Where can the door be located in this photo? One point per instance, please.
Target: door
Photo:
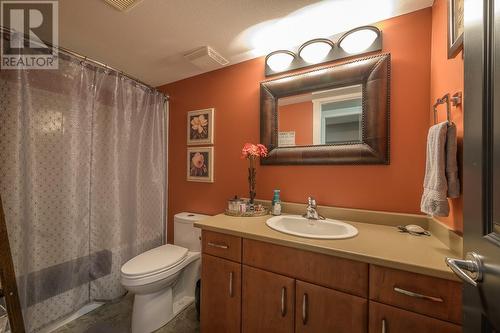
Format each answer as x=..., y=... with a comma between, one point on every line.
x=268, y=302
x=319, y=309
x=385, y=319
x=481, y=173
x=220, y=295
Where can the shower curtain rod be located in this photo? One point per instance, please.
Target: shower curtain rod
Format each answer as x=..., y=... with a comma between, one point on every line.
x=85, y=58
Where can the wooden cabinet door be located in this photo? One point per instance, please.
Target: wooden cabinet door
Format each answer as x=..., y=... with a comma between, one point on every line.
x=268, y=302
x=388, y=319
x=220, y=295
x=319, y=309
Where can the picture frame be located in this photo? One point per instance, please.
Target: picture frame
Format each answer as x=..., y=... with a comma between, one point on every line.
x=455, y=27
x=200, y=164
x=200, y=127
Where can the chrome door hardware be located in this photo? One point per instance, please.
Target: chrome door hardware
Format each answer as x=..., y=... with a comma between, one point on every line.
x=304, y=309
x=231, y=284
x=417, y=295
x=469, y=269
x=283, y=301
x=219, y=246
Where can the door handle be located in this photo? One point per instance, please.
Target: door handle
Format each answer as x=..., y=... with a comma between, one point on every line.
x=230, y=284
x=219, y=246
x=417, y=295
x=304, y=309
x=469, y=269
x=283, y=301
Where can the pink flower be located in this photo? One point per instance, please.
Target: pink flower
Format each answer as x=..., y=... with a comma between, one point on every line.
x=251, y=150
x=198, y=160
x=262, y=150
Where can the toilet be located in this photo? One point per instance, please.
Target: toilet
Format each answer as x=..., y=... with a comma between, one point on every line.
x=163, y=279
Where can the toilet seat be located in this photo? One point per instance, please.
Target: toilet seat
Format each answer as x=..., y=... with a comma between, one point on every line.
x=154, y=261
x=143, y=280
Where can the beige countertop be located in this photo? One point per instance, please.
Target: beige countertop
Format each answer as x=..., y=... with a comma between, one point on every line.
x=375, y=244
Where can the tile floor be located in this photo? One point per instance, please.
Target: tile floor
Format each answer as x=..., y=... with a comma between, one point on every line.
x=115, y=318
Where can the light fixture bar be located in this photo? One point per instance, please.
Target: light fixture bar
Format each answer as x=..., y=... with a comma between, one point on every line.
x=358, y=41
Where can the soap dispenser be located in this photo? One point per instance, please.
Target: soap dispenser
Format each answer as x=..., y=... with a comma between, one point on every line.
x=276, y=203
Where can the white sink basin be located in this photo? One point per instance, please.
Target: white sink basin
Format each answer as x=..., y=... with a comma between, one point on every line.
x=321, y=229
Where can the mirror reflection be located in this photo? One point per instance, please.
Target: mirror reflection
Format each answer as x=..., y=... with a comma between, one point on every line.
x=325, y=117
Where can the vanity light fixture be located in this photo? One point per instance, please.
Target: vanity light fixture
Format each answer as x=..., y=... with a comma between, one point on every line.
x=316, y=50
x=280, y=60
x=357, y=41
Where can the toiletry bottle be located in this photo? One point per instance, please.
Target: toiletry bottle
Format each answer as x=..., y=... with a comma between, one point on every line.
x=276, y=203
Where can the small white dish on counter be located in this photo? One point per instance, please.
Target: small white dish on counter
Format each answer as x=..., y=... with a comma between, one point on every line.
x=319, y=229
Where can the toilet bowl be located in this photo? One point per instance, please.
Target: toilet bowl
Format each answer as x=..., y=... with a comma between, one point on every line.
x=163, y=279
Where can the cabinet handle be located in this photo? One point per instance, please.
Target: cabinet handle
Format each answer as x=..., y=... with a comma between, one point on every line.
x=417, y=295
x=219, y=246
x=383, y=326
x=304, y=309
x=283, y=301
x=231, y=284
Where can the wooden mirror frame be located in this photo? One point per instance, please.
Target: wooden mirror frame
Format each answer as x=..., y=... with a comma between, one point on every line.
x=373, y=73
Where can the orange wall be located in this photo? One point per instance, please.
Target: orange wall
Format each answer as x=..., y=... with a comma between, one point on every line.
x=447, y=76
x=234, y=93
x=297, y=117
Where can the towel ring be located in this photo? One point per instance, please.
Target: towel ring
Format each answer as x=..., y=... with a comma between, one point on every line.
x=456, y=99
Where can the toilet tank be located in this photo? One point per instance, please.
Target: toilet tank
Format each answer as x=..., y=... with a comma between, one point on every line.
x=185, y=234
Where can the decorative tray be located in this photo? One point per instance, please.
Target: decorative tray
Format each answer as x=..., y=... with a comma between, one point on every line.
x=254, y=213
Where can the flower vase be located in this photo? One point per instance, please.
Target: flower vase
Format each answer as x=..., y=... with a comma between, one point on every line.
x=251, y=179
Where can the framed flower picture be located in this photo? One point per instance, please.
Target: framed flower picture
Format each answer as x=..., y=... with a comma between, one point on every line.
x=200, y=127
x=200, y=164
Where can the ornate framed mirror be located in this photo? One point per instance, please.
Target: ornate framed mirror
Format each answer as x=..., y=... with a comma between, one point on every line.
x=333, y=115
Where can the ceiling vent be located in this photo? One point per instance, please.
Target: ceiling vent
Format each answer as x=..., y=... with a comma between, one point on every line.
x=123, y=5
x=206, y=58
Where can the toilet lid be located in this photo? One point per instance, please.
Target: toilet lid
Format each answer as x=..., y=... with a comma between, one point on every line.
x=154, y=260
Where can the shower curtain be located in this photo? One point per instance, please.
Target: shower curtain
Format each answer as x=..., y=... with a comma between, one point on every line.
x=82, y=179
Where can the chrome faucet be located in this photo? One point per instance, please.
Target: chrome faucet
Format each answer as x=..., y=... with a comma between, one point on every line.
x=311, y=213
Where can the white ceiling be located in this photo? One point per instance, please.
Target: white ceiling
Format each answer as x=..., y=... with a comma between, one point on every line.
x=149, y=40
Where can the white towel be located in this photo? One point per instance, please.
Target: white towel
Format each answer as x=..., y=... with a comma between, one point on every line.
x=451, y=162
x=434, y=201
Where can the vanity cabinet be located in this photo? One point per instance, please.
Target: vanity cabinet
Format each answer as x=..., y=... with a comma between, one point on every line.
x=221, y=295
x=254, y=286
x=280, y=304
x=268, y=302
x=320, y=309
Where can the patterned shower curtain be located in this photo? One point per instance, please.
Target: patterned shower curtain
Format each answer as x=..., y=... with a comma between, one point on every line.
x=82, y=179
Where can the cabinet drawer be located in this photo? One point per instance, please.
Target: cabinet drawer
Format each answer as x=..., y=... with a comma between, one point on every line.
x=427, y=295
x=221, y=245
x=388, y=319
x=319, y=309
x=336, y=273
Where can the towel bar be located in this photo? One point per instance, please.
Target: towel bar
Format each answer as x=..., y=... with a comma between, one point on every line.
x=455, y=100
